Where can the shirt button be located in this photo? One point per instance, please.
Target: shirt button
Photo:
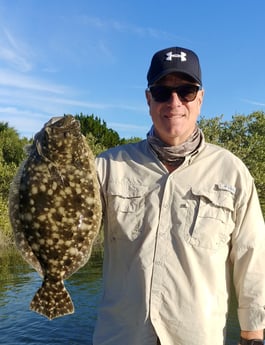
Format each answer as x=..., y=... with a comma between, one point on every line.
x=194, y=241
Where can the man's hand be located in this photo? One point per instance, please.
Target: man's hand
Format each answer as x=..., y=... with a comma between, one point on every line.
x=252, y=334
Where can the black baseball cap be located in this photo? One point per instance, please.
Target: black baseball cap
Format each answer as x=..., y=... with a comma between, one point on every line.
x=174, y=59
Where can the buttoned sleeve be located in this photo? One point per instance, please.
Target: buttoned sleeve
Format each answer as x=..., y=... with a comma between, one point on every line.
x=248, y=255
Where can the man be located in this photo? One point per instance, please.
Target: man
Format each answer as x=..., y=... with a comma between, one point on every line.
x=181, y=218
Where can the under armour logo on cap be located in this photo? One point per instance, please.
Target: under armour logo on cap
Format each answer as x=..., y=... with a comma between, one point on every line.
x=170, y=56
x=174, y=59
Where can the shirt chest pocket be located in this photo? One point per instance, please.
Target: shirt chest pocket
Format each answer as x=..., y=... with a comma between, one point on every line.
x=210, y=217
x=126, y=204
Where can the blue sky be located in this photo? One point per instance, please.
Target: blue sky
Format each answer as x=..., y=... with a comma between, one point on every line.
x=86, y=56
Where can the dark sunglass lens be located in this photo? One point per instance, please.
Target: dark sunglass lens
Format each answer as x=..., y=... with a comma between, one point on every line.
x=160, y=93
x=187, y=92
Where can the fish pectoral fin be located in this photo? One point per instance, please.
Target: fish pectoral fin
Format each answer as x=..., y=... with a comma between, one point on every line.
x=52, y=300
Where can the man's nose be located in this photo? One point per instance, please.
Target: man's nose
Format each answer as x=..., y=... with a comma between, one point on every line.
x=175, y=99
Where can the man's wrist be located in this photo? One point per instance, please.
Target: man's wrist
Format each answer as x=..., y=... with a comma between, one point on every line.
x=244, y=341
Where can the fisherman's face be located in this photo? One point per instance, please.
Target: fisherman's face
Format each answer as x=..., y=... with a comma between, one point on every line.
x=175, y=119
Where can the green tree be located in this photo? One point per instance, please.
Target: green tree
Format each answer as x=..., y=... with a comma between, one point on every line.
x=5, y=233
x=212, y=129
x=95, y=146
x=11, y=146
x=103, y=135
x=132, y=140
x=11, y=155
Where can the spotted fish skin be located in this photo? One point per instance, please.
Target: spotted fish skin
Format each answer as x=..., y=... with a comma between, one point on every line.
x=55, y=210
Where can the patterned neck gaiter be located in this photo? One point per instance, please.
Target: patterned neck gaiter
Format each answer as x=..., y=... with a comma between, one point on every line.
x=174, y=155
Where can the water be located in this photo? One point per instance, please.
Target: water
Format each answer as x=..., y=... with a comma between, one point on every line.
x=20, y=326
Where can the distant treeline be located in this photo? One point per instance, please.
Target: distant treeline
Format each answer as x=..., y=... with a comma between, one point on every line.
x=242, y=135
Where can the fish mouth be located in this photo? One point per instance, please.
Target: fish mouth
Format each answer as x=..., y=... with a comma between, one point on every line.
x=54, y=119
x=62, y=121
x=61, y=125
x=55, y=132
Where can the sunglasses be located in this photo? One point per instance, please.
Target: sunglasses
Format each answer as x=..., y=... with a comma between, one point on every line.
x=185, y=92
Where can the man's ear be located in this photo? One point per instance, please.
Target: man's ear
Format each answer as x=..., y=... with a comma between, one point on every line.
x=200, y=98
x=148, y=97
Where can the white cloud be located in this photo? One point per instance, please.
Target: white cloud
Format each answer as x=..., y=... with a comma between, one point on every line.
x=18, y=80
x=14, y=52
x=262, y=104
x=24, y=121
x=122, y=27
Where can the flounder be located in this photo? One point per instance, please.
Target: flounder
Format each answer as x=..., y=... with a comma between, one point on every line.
x=55, y=210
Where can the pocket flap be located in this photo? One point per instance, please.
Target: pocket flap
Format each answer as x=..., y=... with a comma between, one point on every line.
x=220, y=195
x=126, y=189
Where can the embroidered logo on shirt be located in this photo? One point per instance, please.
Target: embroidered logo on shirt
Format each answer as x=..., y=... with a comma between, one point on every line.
x=170, y=56
x=226, y=187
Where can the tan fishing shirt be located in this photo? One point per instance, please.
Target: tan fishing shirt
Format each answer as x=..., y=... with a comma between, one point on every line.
x=172, y=244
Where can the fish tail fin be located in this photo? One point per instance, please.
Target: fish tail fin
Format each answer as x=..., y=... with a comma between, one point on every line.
x=52, y=300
